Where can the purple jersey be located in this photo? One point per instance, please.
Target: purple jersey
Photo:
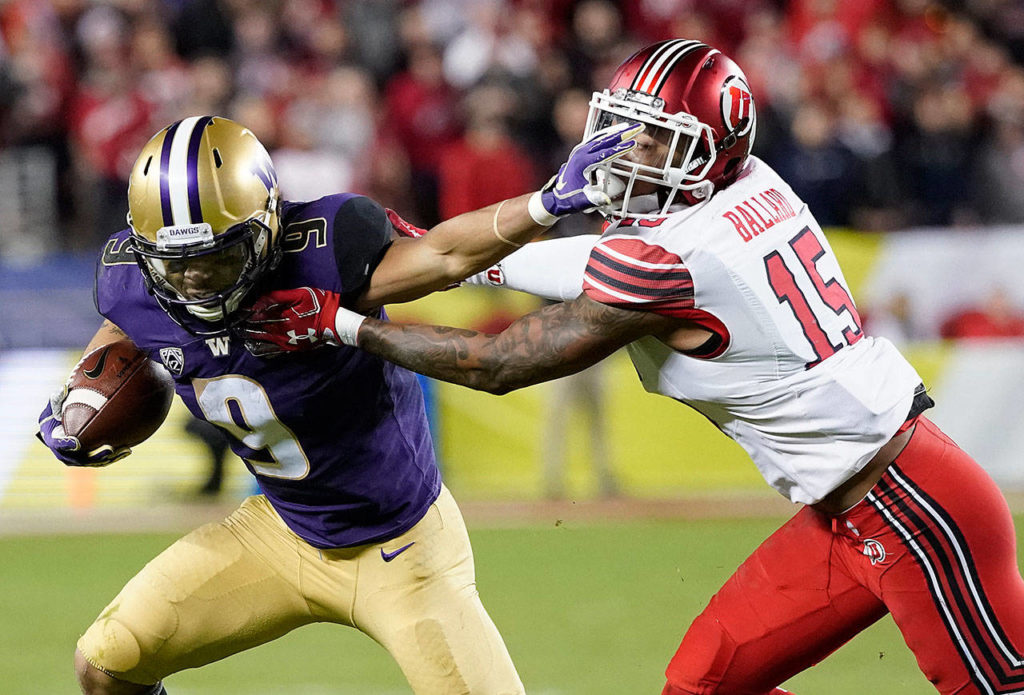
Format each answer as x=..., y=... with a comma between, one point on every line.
x=337, y=438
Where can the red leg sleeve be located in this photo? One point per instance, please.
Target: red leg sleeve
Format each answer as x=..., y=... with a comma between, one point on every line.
x=787, y=607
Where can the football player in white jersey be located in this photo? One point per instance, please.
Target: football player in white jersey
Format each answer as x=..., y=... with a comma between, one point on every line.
x=716, y=277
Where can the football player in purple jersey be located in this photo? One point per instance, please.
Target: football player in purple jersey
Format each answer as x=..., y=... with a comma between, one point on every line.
x=353, y=524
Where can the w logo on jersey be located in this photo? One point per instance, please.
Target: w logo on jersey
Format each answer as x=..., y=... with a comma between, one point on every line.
x=737, y=105
x=219, y=346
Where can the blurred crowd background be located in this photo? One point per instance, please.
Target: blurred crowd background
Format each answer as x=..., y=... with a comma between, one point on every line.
x=883, y=114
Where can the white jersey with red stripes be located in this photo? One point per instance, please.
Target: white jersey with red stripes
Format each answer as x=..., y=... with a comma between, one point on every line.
x=789, y=373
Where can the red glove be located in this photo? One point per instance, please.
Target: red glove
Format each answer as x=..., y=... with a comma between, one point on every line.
x=291, y=320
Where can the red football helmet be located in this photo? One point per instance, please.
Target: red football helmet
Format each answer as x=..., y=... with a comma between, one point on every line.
x=700, y=122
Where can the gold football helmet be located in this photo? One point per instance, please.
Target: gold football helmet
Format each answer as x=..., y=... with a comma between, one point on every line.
x=203, y=206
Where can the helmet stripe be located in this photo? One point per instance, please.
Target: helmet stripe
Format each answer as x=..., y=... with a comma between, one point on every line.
x=177, y=170
x=192, y=169
x=668, y=68
x=651, y=59
x=165, y=161
x=659, y=66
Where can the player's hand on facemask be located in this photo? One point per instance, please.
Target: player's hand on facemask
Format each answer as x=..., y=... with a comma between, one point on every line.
x=68, y=449
x=575, y=188
x=298, y=319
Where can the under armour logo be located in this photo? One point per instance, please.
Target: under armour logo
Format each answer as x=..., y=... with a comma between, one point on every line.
x=294, y=338
x=874, y=550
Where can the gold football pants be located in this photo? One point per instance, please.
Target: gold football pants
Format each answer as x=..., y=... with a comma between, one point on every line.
x=248, y=579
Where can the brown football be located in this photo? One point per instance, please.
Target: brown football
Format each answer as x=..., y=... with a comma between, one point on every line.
x=116, y=396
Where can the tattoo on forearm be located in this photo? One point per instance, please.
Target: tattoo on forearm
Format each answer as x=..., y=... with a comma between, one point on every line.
x=547, y=344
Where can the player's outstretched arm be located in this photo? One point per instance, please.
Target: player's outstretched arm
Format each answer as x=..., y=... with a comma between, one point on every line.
x=473, y=241
x=51, y=429
x=553, y=342
x=551, y=269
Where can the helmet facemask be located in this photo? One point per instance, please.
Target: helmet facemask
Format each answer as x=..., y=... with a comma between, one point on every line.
x=204, y=211
x=236, y=258
x=684, y=156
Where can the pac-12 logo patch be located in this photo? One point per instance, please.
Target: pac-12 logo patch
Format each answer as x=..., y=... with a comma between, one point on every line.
x=874, y=550
x=174, y=359
x=737, y=105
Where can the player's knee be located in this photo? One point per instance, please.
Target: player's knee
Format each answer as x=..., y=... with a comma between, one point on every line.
x=111, y=647
x=109, y=644
x=84, y=673
x=91, y=679
x=711, y=662
x=94, y=681
x=706, y=661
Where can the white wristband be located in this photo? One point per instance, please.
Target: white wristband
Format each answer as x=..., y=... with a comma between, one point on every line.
x=539, y=213
x=346, y=325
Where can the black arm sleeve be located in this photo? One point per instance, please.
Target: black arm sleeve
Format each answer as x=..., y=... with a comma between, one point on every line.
x=362, y=234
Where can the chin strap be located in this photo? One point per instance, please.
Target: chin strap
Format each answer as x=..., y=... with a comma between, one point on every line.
x=730, y=139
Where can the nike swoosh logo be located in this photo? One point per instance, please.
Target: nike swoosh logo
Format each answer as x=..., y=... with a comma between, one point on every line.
x=95, y=372
x=388, y=557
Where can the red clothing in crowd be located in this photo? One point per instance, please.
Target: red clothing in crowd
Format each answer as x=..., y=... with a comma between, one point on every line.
x=423, y=116
x=977, y=323
x=110, y=129
x=474, y=174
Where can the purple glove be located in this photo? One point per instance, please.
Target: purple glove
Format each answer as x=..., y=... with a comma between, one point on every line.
x=574, y=188
x=67, y=449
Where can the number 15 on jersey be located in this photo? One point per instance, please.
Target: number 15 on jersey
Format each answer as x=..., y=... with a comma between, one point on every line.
x=829, y=311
